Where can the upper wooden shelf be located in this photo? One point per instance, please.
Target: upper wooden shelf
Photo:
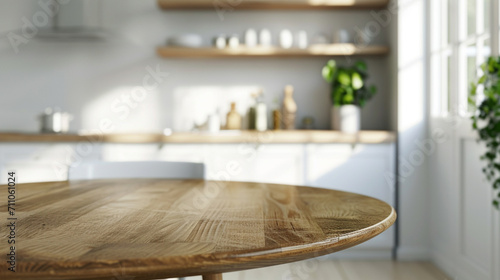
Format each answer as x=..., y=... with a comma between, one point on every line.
x=224, y=137
x=315, y=50
x=272, y=4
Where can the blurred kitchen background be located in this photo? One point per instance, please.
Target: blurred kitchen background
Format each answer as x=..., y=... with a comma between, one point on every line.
x=115, y=80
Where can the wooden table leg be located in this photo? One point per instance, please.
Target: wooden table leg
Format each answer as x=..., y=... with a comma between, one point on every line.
x=213, y=276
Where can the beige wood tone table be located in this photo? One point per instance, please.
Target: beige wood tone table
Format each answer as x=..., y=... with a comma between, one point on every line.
x=157, y=228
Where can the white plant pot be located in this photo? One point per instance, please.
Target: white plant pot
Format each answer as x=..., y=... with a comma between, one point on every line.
x=346, y=118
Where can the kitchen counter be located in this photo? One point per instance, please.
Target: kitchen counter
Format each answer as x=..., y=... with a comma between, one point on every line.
x=360, y=163
x=270, y=136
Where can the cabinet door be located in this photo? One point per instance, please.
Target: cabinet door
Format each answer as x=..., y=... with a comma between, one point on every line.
x=183, y=152
x=44, y=162
x=360, y=169
x=230, y=162
x=130, y=152
x=268, y=163
x=281, y=164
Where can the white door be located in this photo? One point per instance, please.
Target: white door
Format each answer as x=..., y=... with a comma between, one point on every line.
x=465, y=226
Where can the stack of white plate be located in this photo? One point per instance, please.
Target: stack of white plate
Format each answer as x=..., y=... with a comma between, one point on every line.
x=186, y=40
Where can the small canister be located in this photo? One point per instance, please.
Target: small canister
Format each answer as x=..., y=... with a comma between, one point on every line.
x=276, y=119
x=54, y=121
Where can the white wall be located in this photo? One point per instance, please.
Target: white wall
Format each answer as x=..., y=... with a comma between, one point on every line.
x=412, y=127
x=85, y=77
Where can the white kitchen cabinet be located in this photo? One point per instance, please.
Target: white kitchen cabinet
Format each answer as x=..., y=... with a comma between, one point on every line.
x=269, y=163
x=37, y=162
x=182, y=152
x=282, y=164
x=242, y=162
x=360, y=168
x=233, y=162
x=130, y=152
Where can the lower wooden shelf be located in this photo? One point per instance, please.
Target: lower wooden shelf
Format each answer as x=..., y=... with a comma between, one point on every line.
x=312, y=51
x=272, y=4
x=228, y=137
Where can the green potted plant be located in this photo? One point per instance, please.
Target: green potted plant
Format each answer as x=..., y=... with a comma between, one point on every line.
x=486, y=120
x=349, y=94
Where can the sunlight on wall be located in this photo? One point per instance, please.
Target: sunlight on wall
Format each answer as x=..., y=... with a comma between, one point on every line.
x=125, y=109
x=411, y=75
x=411, y=102
x=413, y=189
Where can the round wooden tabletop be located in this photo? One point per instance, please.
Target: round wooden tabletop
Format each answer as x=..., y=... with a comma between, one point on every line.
x=158, y=228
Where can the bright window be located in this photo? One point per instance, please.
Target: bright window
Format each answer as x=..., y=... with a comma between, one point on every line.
x=461, y=32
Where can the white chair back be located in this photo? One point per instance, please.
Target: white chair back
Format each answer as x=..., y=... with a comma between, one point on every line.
x=139, y=169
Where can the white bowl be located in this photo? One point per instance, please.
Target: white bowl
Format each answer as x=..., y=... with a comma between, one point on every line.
x=186, y=40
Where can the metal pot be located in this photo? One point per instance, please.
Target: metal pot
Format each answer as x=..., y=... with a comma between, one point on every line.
x=54, y=121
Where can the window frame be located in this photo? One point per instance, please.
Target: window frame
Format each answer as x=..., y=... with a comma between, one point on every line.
x=449, y=38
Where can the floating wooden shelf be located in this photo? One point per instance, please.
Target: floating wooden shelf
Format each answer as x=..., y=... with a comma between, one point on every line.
x=227, y=137
x=315, y=50
x=231, y=5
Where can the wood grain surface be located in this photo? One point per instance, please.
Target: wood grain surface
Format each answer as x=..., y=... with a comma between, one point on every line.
x=273, y=4
x=157, y=228
x=212, y=277
x=242, y=51
x=243, y=136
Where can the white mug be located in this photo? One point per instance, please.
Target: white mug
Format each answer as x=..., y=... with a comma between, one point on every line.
x=251, y=38
x=342, y=37
x=233, y=42
x=286, y=39
x=265, y=38
x=220, y=41
x=302, y=39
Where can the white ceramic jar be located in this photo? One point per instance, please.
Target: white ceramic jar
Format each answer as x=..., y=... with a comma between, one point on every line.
x=233, y=42
x=251, y=38
x=346, y=118
x=286, y=39
x=265, y=39
x=302, y=42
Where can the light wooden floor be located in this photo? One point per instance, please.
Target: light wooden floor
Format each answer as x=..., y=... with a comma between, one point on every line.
x=341, y=270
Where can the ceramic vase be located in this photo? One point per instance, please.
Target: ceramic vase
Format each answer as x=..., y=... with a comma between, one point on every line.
x=346, y=118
